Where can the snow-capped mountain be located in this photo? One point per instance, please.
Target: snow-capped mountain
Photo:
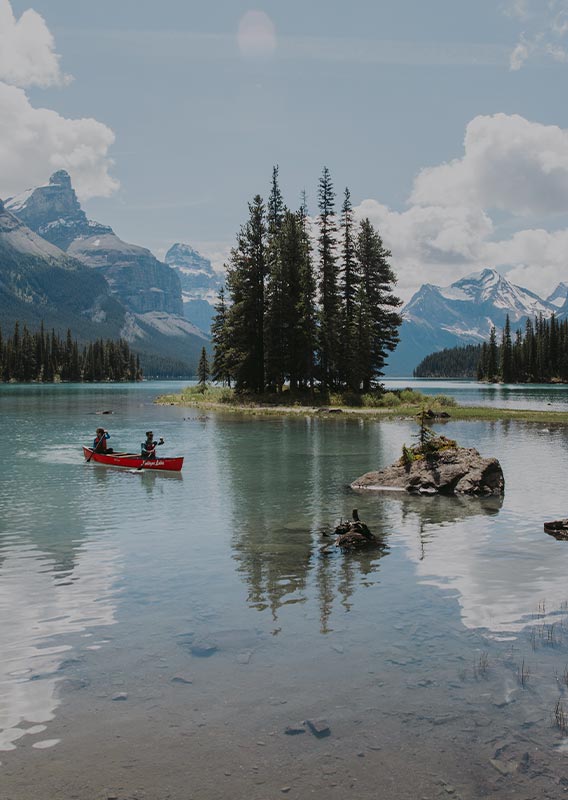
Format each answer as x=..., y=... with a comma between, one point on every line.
x=464, y=312
x=559, y=296
x=147, y=289
x=200, y=283
x=40, y=283
x=141, y=282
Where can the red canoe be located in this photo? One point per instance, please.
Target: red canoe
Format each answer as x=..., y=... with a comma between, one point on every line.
x=133, y=461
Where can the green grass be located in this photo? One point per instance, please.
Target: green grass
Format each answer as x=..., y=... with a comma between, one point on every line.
x=403, y=403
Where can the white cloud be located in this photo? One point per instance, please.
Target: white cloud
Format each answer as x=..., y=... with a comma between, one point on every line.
x=510, y=164
x=545, y=30
x=37, y=141
x=27, y=54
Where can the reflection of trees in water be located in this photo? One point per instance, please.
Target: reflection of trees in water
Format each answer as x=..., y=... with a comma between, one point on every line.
x=341, y=574
x=287, y=479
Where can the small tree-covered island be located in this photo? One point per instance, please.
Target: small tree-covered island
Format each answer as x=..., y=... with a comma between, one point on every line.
x=309, y=316
x=309, y=307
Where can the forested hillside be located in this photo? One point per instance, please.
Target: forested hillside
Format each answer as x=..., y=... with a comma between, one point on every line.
x=44, y=357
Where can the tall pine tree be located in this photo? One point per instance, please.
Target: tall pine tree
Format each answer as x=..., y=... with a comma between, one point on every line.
x=246, y=276
x=329, y=312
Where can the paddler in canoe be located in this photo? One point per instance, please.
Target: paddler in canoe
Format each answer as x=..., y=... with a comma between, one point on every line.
x=100, y=441
x=148, y=448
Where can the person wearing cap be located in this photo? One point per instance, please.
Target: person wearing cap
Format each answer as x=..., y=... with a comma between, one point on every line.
x=149, y=446
x=100, y=441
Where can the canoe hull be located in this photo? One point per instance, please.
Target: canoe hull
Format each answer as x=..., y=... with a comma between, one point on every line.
x=133, y=461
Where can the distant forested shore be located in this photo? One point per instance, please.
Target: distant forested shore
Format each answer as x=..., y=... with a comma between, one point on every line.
x=539, y=354
x=45, y=357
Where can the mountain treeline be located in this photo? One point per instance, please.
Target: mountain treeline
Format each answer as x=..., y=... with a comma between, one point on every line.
x=537, y=354
x=311, y=313
x=46, y=358
x=451, y=362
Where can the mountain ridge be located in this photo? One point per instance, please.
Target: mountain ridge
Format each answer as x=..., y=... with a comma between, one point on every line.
x=438, y=317
x=147, y=290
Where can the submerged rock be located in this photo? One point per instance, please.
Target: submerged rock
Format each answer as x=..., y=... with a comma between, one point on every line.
x=453, y=470
x=319, y=727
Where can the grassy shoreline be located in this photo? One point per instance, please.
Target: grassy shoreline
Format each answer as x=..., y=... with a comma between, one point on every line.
x=411, y=403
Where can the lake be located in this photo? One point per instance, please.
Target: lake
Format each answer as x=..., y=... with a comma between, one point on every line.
x=159, y=633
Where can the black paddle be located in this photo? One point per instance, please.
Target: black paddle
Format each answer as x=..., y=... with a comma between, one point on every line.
x=96, y=447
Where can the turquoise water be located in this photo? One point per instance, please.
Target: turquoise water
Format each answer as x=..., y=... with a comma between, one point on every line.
x=202, y=604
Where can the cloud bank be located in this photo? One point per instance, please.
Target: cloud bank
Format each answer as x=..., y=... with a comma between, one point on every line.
x=510, y=165
x=35, y=141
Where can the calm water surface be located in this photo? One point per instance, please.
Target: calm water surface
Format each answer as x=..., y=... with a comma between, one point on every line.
x=159, y=633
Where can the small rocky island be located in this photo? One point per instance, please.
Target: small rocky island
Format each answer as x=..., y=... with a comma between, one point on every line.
x=437, y=465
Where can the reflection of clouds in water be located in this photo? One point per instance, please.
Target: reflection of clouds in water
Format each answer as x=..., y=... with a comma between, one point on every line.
x=34, y=610
x=499, y=581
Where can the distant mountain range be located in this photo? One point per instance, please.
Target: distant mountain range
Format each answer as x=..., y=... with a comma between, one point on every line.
x=58, y=266
x=200, y=284
x=45, y=230
x=437, y=317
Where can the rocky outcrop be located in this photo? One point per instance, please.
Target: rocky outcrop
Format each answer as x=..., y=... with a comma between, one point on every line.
x=455, y=470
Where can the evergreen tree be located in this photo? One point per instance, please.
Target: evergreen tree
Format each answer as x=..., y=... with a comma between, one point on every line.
x=349, y=279
x=492, y=356
x=246, y=275
x=275, y=294
x=307, y=314
x=329, y=313
x=506, y=355
x=203, y=369
x=377, y=281
x=221, y=342
x=275, y=208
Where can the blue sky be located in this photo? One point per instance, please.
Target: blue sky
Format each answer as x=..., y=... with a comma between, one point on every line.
x=377, y=91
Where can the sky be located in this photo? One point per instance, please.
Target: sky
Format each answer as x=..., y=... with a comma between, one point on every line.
x=446, y=119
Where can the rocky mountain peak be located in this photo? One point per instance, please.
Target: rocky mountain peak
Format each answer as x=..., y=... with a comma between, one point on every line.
x=54, y=212
x=464, y=312
x=559, y=295
x=61, y=178
x=183, y=256
x=199, y=283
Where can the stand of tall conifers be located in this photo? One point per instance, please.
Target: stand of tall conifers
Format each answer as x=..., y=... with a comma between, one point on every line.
x=312, y=312
x=47, y=358
x=539, y=355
